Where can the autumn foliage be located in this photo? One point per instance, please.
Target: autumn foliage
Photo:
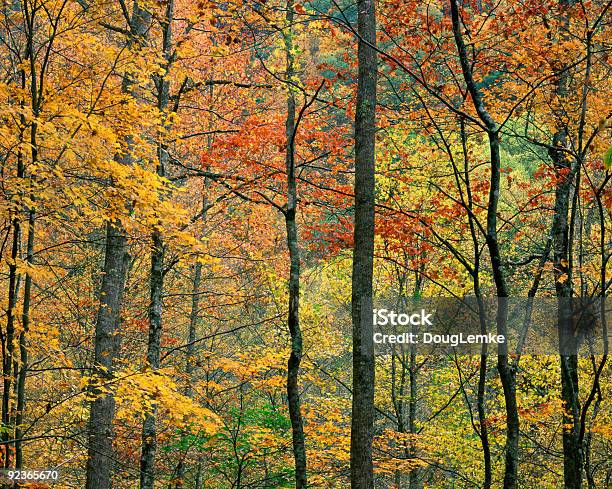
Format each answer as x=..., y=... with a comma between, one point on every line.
x=176, y=138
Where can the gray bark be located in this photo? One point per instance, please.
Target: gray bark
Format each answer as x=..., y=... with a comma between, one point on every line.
x=190, y=352
x=149, y=430
x=193, y=325
x=107, y=339
x=107, y=343
x=362, y=419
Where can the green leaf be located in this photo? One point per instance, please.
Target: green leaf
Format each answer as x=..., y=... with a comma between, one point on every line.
x=608, y=159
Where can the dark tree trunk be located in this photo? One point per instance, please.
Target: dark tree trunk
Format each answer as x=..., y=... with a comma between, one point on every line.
x=480, y=397
x=506, y=371
x=107, y=341
x=408, y=376
x=482, y=371
x=362, y=419
x=572, y=449
x=414, y=479
x=23, y=345
x=561, y=236
x=193, y=325
x=149, y=431
x=156, y=281
x=21, y=367
x=293, y=318
x=8, y=342
x=190, y=354
x=27, y=298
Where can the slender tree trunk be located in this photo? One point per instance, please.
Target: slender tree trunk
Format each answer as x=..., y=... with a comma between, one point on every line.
x=107, y=339
x=566, y=174
x=8, y=339
x=190, y=358
x=572, y=449
x=596, y=397
x=482, y=371
x=25, y=319
x=149, y=430
x=506, y=371
x=8, y=345
x=21, y=366
x=408, y=365
x=414, y=479
x=156, y=282
x=480, y=396
x=293, y=318
x=193, y=328
x=23, y=347
x=13, y=291
x=362, y=419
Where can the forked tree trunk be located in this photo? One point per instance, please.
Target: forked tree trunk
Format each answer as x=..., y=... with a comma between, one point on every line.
x=107, y=340
x=566, y=174
x=481, y=405
x=362, y=419
x=506, y=371
x=572, y=449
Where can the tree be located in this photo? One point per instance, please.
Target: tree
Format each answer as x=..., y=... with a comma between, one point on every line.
x=293, y=318
x=506, y=371
x=362, y=413
x=218, y=151
x=107, y=341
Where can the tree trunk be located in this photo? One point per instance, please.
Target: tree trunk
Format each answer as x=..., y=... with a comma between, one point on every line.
x=572, y=449
x=107, y=339
x=156, y=282
x=362, y=419
x=107, y=343
x=414, y=479
x=482, y=371
x=23, y=346
x=190, y=359
x=8, y=343
x=193, y=325
x=27, y=292
x=506, y=371
x=480, y=397
x=149, y=431
x=293, y=318
x=565, y=173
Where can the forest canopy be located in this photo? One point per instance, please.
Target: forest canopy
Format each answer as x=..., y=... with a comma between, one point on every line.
x=202, y=204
